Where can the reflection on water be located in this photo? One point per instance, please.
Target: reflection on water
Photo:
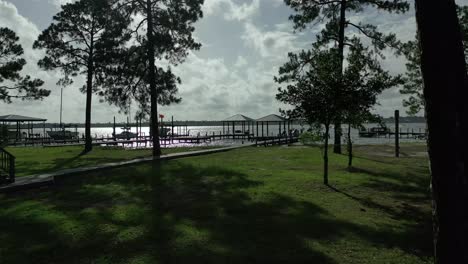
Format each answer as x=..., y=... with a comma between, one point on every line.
x=176, y=144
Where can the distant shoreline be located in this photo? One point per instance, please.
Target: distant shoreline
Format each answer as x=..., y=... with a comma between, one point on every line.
x=388, y=121
x=199, y=123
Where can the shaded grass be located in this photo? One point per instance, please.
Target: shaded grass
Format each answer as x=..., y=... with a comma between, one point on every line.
x=37, y=160
x=254, y=205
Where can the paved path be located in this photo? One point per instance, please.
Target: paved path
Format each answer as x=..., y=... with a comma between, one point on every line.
x=34, y=181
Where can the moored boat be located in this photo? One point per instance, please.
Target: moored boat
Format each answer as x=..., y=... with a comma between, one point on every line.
x=62, y=135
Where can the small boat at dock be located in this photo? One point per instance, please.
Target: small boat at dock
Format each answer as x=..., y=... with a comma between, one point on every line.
x=374, y=131
x=126, y=134
x=62, y=134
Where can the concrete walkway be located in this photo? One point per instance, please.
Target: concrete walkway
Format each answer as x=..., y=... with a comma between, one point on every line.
x=35, y=181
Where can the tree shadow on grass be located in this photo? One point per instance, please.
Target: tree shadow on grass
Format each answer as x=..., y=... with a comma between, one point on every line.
x=409, y=179
x=33, y=167
x=403, y=196
x=130, y=214
x=236, y=227
x=171, y=212
x=61, y=163
x=384, y=154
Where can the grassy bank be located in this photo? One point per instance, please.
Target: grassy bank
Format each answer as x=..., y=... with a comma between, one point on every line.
x=36, y=160
x=253, y=205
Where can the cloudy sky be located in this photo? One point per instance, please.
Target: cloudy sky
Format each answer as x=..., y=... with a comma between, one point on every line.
x=244, y=43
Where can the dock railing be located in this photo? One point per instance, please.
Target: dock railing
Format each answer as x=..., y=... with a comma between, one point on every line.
x=7, y=166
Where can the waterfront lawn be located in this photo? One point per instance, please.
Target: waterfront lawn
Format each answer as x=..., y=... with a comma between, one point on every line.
x=252, y=205
x=37, y=160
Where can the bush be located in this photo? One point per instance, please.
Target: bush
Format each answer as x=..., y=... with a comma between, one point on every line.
x=311, y=137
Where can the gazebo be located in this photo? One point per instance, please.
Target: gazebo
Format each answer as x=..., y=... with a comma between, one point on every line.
x=6, y=120
x=245, y=122
x=272, y=119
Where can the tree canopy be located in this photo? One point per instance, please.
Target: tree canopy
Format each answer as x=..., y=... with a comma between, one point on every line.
x=130, y=82
x=12, y=84
x=364, y=80
x=310, y=90
x=311, y=79
x=84, y=35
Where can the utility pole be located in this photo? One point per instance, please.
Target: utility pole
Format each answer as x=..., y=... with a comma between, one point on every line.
x=61, y=103
x=397, y=133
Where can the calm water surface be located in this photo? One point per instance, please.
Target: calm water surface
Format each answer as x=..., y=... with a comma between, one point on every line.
x=273, y=130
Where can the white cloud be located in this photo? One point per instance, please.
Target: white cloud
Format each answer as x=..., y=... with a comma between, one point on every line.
x=270, y=43
x=59, y=3
x=232, y=10
x=240, y=62
x=243, y=11
x=212, y=89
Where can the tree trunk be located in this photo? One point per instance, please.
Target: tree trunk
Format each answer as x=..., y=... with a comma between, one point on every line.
x=325, y=155
x=341, y=39
x=337, y=141
x=89, y=94
x=152, y=81
x=445, y=84
x=350, y=148
x=150, y=127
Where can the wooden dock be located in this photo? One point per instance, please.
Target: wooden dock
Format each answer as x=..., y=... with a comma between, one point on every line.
x=144, y=140
x=389, y=134
x=191, y=139
x=276, y=141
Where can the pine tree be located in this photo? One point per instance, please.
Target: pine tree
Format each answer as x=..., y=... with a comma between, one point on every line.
x=167, y=26
x=12, y=84
x=83, y=39
x=334, y=13
x=445, y=78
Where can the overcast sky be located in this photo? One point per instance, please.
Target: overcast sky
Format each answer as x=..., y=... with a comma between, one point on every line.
x=244, y=43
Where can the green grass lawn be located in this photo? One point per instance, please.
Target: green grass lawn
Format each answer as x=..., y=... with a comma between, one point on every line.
x=36, y=160
x=252, y=205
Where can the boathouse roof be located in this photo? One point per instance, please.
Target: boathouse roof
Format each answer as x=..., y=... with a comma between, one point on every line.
x=238, y=118
x=19, y=118
x=271, y=118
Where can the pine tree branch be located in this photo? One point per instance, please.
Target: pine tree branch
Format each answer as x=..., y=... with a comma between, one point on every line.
x=139, y=25
x=373, y=37
x=8, y=88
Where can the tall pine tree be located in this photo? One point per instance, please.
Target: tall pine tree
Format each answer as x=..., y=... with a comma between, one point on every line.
x=445, y=78
x=337, y=25
x=167, y=28
x=83, y=39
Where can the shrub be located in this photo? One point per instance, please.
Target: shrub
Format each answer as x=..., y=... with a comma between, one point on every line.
x=311, y=137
